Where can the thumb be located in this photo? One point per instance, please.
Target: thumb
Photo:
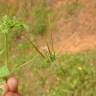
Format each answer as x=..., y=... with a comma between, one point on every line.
x=12, y=83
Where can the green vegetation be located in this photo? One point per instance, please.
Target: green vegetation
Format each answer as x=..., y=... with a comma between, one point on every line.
x=69, y=74
x=6, y=26
x=40, y=14
x=43, y=73
x=71, y=9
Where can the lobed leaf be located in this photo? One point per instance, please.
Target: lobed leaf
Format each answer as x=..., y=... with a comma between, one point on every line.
x=9, y=23
x=4, y=71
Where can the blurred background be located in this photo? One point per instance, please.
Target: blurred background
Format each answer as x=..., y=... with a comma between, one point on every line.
x=64, y=32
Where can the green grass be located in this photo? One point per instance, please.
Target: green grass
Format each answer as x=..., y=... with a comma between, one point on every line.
x=40, y=22
x=65, y=75
x=62, y=75
x=71, y=9
x=68, y=75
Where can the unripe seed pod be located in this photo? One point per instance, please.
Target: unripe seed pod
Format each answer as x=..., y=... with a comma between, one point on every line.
x=12, y=84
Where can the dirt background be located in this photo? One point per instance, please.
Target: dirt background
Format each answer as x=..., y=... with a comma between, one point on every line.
x=80, y=32
x=77, y=32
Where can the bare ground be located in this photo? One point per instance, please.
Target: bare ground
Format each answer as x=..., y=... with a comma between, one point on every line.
x=78, y=32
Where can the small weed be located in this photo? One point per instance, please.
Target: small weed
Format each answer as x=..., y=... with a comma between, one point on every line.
x=6, y=26
x=67, y=75
x=76, y=76
x=71, y=9
x=40, y=15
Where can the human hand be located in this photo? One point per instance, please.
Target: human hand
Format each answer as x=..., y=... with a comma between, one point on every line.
x=10, y=88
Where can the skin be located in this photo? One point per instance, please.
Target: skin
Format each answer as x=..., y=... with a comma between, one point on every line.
x=11, y=87
x=12, y=84
x=11, y=94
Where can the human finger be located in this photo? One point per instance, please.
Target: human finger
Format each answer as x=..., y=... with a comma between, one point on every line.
x=12, y=83
x=11, y=94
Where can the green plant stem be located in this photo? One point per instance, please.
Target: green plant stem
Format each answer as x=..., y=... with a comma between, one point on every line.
x=53, y=44
x=52, y=41
x=20, y=66
x=49, y=51
x=6, y=48
x=35, y=47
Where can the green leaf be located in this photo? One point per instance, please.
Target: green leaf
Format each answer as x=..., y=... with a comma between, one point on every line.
x=8, y=23
x=20, y=25
x=2, y=81
x=4, y=71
